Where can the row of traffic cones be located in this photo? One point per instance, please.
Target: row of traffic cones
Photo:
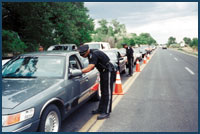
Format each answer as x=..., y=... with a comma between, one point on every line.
x=118, y=85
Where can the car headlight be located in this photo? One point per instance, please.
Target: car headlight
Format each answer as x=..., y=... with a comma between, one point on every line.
x=8, y=120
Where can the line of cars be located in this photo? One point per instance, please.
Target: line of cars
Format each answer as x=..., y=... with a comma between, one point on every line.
x=40, y=89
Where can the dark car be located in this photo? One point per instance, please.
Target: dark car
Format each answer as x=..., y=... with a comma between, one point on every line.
x=116, y=59
x=164, y=47
x=62, y=47
x=40, y=89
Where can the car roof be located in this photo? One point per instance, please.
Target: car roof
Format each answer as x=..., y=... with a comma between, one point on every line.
x=51, y=53
x=94, y=42
x=65, y=45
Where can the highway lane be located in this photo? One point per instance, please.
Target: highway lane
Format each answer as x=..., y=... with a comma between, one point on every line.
x=185, y=59
x=164, y=98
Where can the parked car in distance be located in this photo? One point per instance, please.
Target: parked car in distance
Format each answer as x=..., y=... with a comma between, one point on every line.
x=164, y=47
x=116, y=59
x=153, y=47
x=40, y=89
x=138, y=54
x=143, y=51
x=68, y=47
x=98, y=45
x=148, y=49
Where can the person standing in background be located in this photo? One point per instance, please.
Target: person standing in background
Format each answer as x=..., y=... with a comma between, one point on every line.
x=130, y=58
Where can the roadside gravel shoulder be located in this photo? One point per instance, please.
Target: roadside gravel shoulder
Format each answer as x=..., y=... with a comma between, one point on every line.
x=185, y=52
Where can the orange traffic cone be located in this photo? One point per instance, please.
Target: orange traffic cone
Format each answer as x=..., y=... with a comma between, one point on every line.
x=118, y=85
x=137, y=66
x=145, y=60
x=148, y=57
x=96, y=85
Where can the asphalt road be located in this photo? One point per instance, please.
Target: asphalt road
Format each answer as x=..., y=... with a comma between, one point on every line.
x=163, y=98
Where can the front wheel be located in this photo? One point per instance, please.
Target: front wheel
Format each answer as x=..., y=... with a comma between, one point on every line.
x=50, y=120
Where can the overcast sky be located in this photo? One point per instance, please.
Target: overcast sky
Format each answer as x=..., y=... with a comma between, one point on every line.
x=160, y=19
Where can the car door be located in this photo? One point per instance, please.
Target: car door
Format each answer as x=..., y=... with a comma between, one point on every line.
x=87, y=80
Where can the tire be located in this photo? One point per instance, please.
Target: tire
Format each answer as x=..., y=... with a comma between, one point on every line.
x=50, y=120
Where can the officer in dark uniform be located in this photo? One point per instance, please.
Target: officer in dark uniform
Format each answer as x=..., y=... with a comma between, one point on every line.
x=130, y=58
x=101, y=61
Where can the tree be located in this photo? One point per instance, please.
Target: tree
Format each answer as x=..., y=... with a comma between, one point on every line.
x=48, y=23
x=187, y=40
x=111, y=32
x=12, y=43
x=171, y=40
x=194, y=42
x=144, y=38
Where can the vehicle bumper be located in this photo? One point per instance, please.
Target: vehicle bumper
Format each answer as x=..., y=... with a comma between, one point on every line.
x=22, y=127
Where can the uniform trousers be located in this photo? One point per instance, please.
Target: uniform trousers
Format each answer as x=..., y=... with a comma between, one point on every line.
x=106, y=83
x=130, y=65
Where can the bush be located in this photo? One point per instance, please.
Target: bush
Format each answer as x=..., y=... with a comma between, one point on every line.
x=11, y=43
x=175, y=46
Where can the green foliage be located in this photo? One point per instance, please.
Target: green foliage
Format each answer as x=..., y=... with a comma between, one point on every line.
x=171, y=40
x=174, y=45
x=191, y=42
x=144, y=38
x=111, y=32
x=11, y=42
x=194, y=42
x=187, y=40
x=48, y=23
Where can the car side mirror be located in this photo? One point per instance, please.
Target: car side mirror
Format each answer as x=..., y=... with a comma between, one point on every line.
x=75, y=73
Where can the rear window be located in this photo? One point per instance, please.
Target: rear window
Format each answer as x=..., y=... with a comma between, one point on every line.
x=94, y=46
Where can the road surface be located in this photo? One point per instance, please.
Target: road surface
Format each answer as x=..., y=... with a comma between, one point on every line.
x=162, y=98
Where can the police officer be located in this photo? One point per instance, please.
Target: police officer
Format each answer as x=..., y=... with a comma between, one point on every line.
x=101, y=61
x=130, y=58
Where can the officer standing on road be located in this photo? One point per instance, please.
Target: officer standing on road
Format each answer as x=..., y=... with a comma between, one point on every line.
x=101, y=61
x=130, y=58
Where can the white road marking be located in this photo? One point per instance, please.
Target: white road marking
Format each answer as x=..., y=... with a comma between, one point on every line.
x=190, y=71
x=176, y=59
x=170, y=54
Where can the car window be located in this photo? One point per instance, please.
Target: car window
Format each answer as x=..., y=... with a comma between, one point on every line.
x=65, y=47
x=94, y=46
x=74, y=63
x=60, y=48
x=111, y=55
x=35, y=66
x=85, y=61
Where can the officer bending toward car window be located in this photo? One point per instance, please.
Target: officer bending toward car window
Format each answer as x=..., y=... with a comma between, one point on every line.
x=130, y=58
x=101, y=61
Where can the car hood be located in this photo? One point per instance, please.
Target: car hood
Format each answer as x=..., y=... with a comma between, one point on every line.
x=16, y=91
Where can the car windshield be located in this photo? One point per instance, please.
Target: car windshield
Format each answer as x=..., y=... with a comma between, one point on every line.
x=34, y=66
x=111, y=55
x=94, y=46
